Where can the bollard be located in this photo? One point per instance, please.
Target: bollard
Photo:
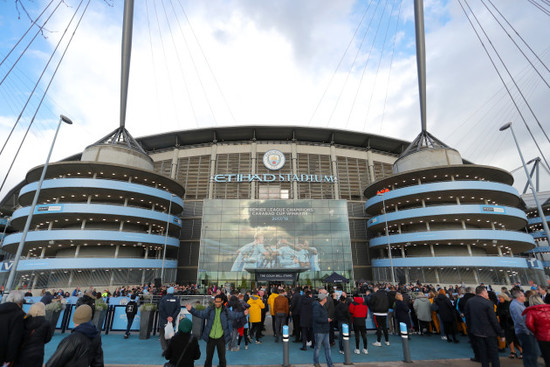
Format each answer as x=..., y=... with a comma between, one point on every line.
x=286, y=362
x=405, y=341
x=347, y=350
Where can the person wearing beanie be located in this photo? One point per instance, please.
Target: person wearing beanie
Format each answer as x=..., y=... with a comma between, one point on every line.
x=38, y=332
x=169, y=309
x=183, y=343
x=83, y=346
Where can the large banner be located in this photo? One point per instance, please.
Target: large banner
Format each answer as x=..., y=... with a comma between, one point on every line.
x=269, y=235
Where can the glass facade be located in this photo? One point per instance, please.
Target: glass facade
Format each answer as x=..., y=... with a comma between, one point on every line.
x=240, y=238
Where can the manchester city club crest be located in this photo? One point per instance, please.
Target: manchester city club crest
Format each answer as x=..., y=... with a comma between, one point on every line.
x=274, y=160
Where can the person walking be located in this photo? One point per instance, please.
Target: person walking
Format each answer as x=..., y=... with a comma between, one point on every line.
x=255, y=316
x=169, y=309
x=83, y=346
x=537, y=319
x=321, y=325
x=525, y=336
x=131, y=311
x=507, y=324
x=379, y=306
x=183, y=349
x=38, y=332
x=281, y=309
x=359, y=312
x=294, y=310
x=447, y=313
x=483, y=327
x=306, y=321
x=217, y=332
x=12, y=327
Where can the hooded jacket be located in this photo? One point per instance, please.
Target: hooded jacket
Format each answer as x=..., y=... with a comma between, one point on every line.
x=537, y=319
x=306, y=312
x=80, y=349
x=12, y=330
x=446, y=310
x=255, y=310
x=422, y=307
x=358, y=311
x=38, y=332
x=379, y=303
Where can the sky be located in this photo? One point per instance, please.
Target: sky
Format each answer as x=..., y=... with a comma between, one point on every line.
x=320, y=63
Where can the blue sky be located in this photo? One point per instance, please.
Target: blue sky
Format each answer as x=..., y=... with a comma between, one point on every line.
x=228, y=62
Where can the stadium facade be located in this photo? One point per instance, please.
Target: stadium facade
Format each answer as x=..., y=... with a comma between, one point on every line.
x=268, y=204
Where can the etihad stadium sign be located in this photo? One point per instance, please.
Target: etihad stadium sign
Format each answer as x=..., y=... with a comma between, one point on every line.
x=273, y=160
x=270, y=177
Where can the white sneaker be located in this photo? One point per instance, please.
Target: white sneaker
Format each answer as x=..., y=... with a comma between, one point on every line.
x=387, y=343
x=365, y=351
x=357, y=351
x=308, y=344
x=341, y=351
x=443, y=338
x=377, y=344
x=246, y=347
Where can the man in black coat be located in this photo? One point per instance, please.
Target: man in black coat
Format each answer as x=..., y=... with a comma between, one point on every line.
x=83, y=346
x=379, y=305
x=484, y=327
x=131, y=311
x=169, y=309
x=295, y=302
x=12, y=327
x=306, y=321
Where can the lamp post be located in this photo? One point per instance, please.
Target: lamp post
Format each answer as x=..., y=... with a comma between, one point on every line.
x=541, y=213
x=13, y=270
x=166, y=238
x=387, y=233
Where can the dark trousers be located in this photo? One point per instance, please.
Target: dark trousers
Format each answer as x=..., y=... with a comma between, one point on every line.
x=529, y=345
x=307, y=336
x=424, y=325
x=545, y=351
x=488, y=350
x=360, y=330
x=245, y=336
x=256, y=330
x=381, y=327
x=474, y=346
x=220, y=345
x=450, y=330
x=296, y=327
x=280, y=320
x=129, y=326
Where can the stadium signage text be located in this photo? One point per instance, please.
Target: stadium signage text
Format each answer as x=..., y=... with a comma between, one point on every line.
x=270, y=177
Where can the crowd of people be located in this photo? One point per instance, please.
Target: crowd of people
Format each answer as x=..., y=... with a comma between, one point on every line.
x=492, y=321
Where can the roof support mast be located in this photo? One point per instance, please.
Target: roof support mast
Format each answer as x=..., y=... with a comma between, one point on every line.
x=126, y=55
x=420, y=58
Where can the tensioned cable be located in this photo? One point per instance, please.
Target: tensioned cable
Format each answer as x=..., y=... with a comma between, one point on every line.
x=511, y=76
x=31, y=41
x=152, y=53
x=50, y=82
x=515, y=43
x=339, y=64
x=365, y=68
x=352, y=64
x=539, y=7
x=391, y=64
x=185, y=84
x=500, y=76
x=27, y=31
x=166, y=62
x=206, y=61
x=378, y=67
x=34, y=89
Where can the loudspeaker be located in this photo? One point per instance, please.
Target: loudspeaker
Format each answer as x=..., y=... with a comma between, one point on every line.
x=158, y=283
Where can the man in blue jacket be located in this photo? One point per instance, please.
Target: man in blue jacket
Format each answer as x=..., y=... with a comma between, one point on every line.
x=321, y=330
x=217, y=331
x=169, y=309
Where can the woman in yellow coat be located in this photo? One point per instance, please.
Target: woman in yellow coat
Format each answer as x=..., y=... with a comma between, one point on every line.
x=255, y=315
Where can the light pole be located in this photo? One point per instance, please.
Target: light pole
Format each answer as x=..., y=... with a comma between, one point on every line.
x=387, y=233
x=13, y=270
x=166, y=238
x=541, y=213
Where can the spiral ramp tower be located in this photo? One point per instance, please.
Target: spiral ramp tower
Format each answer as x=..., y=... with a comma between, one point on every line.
x=448, y=222
x=101, y=220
